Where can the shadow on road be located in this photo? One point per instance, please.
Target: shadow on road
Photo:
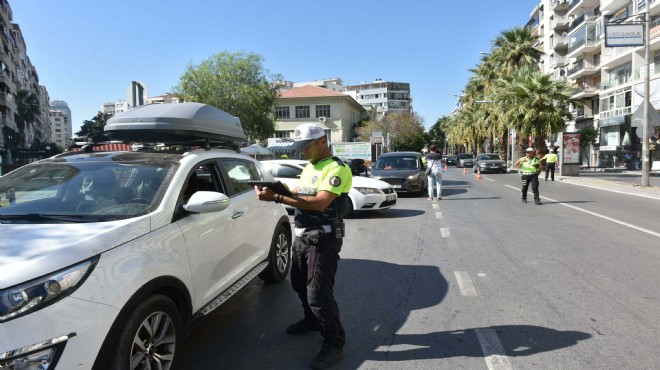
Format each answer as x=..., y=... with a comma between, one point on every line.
x=387, y=213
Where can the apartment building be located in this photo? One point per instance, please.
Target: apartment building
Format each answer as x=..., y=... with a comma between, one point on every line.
x=608, y=81
x=17, y=73
x=60, y=123
x=384, y=97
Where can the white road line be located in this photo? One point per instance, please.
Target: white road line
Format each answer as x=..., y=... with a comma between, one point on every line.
x=493, y=351
x=465, y=283
x=623, y=223
x=438, y=215
x=444, y=232
x=435, y=205
x=489, y=179
x=611, y=190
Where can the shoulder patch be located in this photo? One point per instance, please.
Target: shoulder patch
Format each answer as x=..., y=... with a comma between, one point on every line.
x=335, y=181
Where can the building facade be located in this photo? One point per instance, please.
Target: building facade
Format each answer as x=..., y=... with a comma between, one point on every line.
x=608, y=81
x=60, y=123
x=383, y=97
x=335, y=112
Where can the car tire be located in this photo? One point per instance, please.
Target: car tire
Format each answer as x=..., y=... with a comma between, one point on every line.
x=279, y=257
x=154, y=327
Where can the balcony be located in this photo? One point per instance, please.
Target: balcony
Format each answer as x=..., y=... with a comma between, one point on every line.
x=616, y=57
x=560, y=43
x=573, y=6
x=559, y=23
x=582, y=68
x=612, y=5
x=557, y=62
x=615, y=82
x=586, y=91
x=558, y=5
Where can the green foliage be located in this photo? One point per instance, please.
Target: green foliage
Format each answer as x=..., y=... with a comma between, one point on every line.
x=51, y=148
x=236, y=83
x=94, y=128
x=27, y=108
x=405, y=129
x=588, y=136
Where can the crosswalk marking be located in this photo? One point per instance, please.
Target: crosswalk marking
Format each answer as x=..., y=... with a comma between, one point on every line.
x=491, y=346
x=444, y=232
x=438, y=215
x=465, y=283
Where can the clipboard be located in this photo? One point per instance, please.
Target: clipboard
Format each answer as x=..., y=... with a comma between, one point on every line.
x=276, y=186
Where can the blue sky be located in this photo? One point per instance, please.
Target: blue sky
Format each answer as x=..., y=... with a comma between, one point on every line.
x=87, y=52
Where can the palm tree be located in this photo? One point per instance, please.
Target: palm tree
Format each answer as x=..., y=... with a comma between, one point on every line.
x=27, y=109
x=536, y=104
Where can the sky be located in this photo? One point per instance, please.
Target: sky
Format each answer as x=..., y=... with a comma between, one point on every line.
x=88, y=52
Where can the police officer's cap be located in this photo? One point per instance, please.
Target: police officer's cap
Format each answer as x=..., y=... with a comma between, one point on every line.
x=305, y=134
x=529, y=150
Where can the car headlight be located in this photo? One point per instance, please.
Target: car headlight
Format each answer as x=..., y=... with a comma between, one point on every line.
x=367, y=191
x=412, y=177
x=38, y=293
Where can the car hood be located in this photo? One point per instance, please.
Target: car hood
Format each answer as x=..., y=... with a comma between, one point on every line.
x=32, y=250
x=394, y=173
x=366, y=182
x=493, y=161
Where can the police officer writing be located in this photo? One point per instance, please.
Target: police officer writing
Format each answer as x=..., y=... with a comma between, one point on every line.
x=530, y=174
x=550, y=162
x=319, y=201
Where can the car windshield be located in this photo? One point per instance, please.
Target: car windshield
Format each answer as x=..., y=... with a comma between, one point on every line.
x=396, y=163
x=465, y=156
x=82, y=192
x=489, y=157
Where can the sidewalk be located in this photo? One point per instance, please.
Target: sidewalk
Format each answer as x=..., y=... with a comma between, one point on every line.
x=628, y=182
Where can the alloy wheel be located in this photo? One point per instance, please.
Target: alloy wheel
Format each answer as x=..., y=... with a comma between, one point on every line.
x=154, y=343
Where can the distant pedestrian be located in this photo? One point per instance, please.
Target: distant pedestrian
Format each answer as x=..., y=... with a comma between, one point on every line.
x=434, y=172
x=550, y=163
x=529, y=165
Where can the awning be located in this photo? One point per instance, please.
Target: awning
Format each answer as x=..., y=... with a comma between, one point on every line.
x=281, y=147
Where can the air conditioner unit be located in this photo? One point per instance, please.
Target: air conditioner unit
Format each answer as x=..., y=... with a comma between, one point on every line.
x=322, y=119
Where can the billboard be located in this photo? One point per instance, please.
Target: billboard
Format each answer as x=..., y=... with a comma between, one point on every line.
x=621, y=35
x=571, y=151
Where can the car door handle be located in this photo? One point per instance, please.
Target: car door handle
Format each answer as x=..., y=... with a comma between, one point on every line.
x=237, y=214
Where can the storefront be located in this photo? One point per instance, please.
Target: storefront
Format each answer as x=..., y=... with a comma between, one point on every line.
x=619, y=144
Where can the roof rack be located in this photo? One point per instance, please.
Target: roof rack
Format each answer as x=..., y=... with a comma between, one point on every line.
x=185, y=146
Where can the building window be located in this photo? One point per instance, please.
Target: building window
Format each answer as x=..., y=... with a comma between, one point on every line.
x=322, y=111
x=282, y=112
x=302, y=111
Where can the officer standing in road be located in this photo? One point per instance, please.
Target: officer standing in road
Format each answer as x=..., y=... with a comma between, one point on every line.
x=530, y=174
x=550, y=162
x=319, y=201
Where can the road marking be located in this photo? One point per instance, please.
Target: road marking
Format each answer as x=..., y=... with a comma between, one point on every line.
x=465, y=283
x=623, y=223
x=435, y=205
x=611, y=190
x=493, y=351
x=438, y=215
x=444, y=232
x=488, y=178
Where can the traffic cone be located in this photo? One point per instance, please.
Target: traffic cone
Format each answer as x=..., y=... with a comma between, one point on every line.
x=464, y=170
x=478, y=175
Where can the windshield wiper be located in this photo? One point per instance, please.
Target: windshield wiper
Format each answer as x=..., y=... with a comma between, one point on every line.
x=36, y=217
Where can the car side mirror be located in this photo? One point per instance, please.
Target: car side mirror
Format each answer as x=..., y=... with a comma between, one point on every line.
x=206, y=202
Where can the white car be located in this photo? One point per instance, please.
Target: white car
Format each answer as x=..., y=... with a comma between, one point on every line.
x=107, y=258
x=366, y=194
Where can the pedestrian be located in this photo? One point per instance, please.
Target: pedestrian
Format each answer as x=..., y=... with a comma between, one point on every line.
x=529, y=166
x=434, y=172
x=550, y=163
x=319, y=201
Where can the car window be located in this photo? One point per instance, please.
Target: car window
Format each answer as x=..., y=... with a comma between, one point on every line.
x=397, y=163
x=240, y=172
x=287, y=172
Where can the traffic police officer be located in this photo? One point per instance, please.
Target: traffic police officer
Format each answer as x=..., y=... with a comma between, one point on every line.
x=319, y=201
x=530, y=174
x=550, y=162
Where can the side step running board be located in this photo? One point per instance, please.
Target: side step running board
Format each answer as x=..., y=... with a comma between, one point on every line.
x=224, y=296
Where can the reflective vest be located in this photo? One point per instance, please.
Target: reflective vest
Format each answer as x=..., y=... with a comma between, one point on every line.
x=527, y=165
x=550, y=158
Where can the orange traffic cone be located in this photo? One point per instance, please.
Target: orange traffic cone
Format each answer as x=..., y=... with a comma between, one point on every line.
x=464, y=170
x=478, y=175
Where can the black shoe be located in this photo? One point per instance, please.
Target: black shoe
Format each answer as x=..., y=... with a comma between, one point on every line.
x=553, y=179
x=302, y=326
x=547, y=180
x=328, y=355
x=538, y=202
x=524, y=200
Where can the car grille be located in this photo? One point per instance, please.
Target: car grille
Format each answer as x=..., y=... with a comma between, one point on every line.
x=388, y=204
x=393, y=181
x=388, y=190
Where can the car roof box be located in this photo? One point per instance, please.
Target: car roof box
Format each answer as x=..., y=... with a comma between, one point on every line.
x=182, y=123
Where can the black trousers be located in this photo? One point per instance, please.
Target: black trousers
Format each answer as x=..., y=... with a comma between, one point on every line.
x=550, y=167
x=313, y=278
x=534, y=180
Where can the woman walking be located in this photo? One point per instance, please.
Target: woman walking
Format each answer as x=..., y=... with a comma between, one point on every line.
x=434, y=172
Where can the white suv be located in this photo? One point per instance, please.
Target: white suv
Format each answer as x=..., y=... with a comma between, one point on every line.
x=106, y=258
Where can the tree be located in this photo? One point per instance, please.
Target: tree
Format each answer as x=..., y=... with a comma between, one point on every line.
x=406, y=129
x=236, y=83
x=588, y=136
x=94, y=128
x=27, y=109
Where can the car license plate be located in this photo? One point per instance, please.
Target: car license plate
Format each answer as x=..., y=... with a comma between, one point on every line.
x=396, y=186
x=390, y=198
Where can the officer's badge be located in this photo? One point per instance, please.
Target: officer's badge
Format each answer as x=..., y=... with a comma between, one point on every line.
x=335, y=181
x=314, y=179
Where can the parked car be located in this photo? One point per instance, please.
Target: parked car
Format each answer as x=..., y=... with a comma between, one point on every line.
x=486, y=162
x=108, y=258
x=405, y=171
x=464, y=160
x=451, y=160
x=366, y=194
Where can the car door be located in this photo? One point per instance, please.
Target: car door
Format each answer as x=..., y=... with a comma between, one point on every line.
x=211, y=238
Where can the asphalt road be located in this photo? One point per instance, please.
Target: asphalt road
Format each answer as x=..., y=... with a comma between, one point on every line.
x=477, y=280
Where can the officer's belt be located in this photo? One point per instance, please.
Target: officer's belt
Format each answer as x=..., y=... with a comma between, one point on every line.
x=530, y=173
x=300, y=230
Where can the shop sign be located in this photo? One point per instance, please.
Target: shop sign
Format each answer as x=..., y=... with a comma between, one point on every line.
x=605, y=148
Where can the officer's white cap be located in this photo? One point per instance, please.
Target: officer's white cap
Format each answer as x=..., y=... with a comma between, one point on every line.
x=305, y=134
x=529, y=150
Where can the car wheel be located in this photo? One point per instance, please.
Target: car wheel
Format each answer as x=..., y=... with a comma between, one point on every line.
x=279, y=258
x=149, y=337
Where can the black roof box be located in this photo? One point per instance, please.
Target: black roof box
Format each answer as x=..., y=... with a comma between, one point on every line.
x=183, y=123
